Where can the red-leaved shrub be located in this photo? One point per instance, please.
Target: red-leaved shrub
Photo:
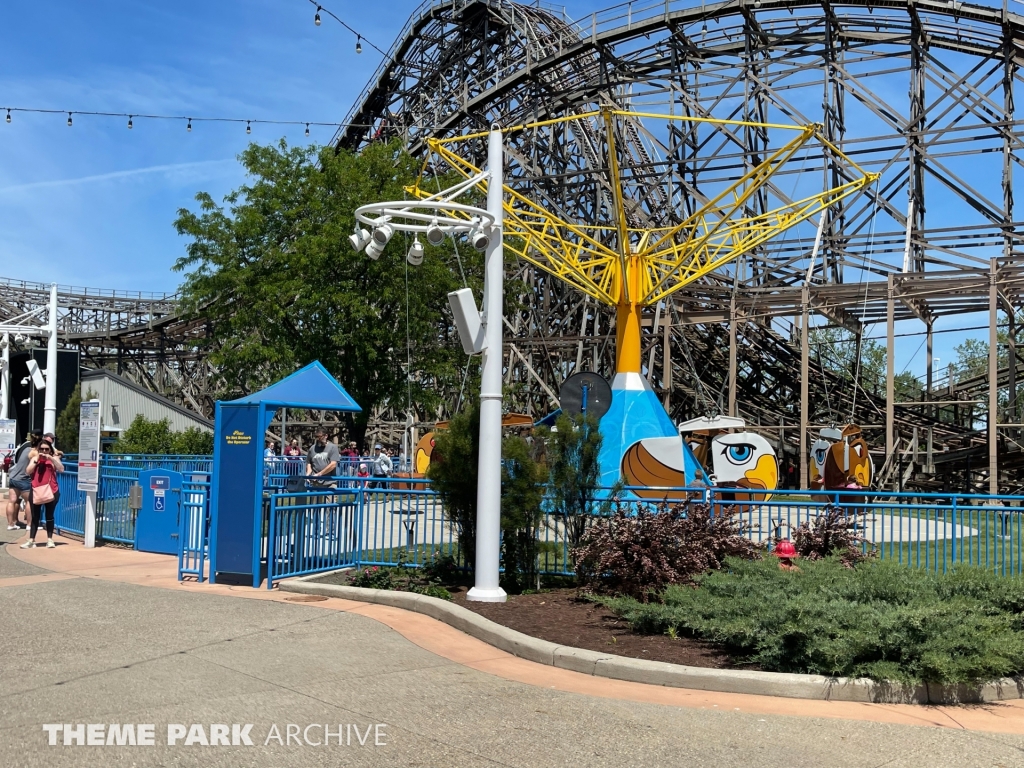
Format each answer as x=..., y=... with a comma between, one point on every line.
x=834, y=531
x=640, y=553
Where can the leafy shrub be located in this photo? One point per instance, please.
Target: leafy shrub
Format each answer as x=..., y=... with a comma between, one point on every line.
x=431, y=590
x=640, y=555
x=879, y=619
x=374, y=578
x=834, y=531
x=521, y=495
x=400, y=579
x=453, y=472
x=441, y=568
x=573, y=449
x=156, y=437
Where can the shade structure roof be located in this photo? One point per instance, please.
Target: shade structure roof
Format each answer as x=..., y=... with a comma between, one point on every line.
x=309, y=387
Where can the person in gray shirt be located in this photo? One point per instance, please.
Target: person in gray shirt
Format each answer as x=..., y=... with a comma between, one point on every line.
x=322, y=459
x=18, y=479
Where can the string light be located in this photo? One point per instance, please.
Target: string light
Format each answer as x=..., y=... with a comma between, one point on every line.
x=130, y=117
x=307, y=129
x=359, y=37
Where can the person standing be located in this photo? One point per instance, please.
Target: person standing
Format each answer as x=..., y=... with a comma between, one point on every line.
x=382, y=466
x=350, y=456
x=293, y=449
x=43, y=469
x=18, y=479
x=322, y=459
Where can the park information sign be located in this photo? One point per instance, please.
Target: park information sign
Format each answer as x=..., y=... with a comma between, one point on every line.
x=89, y=446
x=8, y=436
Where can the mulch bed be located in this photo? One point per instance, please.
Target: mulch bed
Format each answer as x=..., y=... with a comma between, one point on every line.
x=559, y=617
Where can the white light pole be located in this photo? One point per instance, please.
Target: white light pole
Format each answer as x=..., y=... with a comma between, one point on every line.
x=50, y=402
x=488, y=489
x=438, y=216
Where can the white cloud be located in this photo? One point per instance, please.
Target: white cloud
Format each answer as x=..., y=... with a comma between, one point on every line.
x=170, y=169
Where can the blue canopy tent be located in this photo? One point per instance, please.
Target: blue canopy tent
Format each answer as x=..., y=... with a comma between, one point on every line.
x=236, y=507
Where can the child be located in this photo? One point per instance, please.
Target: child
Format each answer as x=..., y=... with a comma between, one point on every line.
x=363, y=472
x=786, y=553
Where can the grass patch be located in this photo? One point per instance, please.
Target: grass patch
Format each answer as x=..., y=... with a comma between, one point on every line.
x=879, y=620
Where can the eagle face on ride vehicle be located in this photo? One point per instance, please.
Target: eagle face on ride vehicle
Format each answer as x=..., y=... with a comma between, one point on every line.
x=744, y=460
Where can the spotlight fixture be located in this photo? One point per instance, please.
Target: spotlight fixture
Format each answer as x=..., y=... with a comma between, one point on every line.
x=382, y=234
x=129, y=122
x=374, y=250
x=24, y=382
x=359, y=240
x=757, y=3
x=316, y=19
x=248, y=128
x=435, y=235
x=415, y=254
x=69, y=119
x=26, y=401
x=478, y=238
x=18, y=338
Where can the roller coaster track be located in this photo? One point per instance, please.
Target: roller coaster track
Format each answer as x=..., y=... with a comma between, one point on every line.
x=923, y=92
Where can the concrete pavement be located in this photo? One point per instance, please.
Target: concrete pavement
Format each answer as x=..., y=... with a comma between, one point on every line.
x=82, y=646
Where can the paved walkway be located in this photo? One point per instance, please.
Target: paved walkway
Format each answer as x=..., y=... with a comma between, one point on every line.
x=109, y=636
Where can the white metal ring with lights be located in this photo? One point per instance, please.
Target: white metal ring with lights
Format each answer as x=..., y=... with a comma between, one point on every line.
x=421, y=215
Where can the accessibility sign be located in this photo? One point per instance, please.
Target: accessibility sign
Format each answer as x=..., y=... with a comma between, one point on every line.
x=158, y=503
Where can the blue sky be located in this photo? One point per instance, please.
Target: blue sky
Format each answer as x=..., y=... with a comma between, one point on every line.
x=93, y=204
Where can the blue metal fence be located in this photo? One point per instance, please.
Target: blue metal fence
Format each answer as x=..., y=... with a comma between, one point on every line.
x=377, y=521
x=194, y=530
x=402, y=521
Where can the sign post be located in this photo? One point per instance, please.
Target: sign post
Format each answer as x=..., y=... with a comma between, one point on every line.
x=8, y=441
x=89, y=463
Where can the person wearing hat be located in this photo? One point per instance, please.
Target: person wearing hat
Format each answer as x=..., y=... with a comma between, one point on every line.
x=382, y=466
x=786, y=553
x=18, y=479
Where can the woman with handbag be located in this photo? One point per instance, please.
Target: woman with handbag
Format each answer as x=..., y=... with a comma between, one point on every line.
x=42, y=470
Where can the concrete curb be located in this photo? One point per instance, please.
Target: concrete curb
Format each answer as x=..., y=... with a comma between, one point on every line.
x=793, y=686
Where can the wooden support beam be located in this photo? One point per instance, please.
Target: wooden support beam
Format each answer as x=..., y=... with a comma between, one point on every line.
x=732, y=357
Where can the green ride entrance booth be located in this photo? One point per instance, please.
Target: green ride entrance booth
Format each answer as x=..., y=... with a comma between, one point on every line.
x=237, y=487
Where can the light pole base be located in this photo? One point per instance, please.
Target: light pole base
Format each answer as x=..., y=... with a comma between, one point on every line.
x=495, y=595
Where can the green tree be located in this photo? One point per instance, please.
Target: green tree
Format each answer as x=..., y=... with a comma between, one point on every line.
x=836, y=351
x=521, y=495
x=192, y=442
x=145, y=436
x=68, y=420
x=274, y=273
x=453, y=473
x=573, y=448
